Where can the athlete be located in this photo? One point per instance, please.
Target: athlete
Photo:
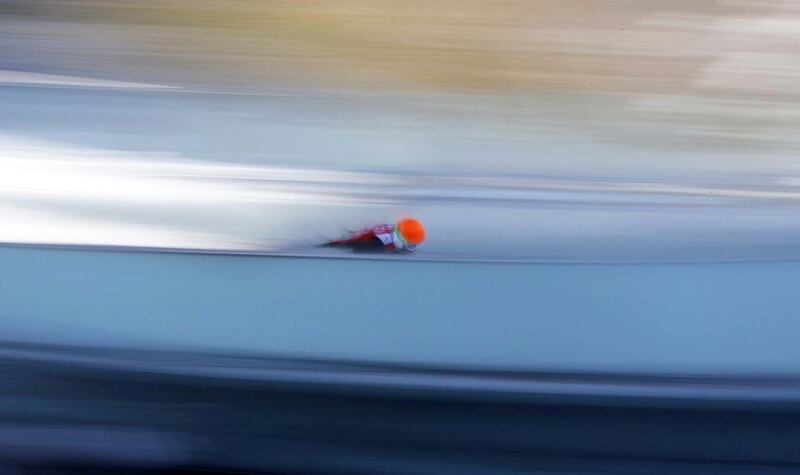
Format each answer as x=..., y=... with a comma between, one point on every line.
x=405, y=236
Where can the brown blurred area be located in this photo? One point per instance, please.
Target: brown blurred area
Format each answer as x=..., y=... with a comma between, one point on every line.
x=717, y=75
x=506, y=46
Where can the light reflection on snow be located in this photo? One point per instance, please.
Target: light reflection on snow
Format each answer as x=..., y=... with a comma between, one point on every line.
x=58, y=194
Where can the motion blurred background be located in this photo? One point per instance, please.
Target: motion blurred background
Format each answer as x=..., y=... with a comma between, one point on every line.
x=516, y=128
x=611, y=190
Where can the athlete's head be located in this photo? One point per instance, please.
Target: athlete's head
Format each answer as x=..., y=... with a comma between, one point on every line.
x=411, y=232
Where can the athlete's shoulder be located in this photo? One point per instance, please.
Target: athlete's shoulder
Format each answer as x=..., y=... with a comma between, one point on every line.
x=383, y=228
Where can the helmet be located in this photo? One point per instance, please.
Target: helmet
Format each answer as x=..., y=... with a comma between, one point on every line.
x=411, y=231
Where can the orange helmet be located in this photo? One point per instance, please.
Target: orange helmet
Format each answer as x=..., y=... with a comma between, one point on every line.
x=411, y=231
